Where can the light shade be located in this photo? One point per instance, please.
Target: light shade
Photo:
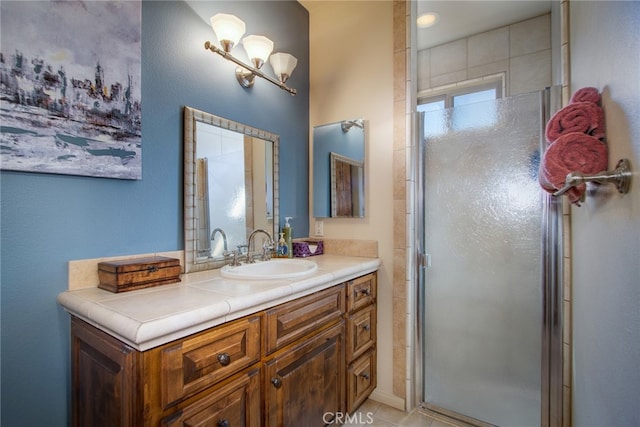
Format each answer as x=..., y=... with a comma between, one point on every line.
x=258, y=49
x=283, y=65
x=228, y=29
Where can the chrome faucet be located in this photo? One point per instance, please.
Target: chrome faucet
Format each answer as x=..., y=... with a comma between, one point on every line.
x=224, y=236
x=266, y=247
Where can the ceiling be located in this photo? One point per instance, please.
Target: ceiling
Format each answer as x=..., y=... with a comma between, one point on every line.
x=463, y=18
x=459, y=19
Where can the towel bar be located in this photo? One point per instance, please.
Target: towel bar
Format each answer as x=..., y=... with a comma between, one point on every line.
x=620, y=176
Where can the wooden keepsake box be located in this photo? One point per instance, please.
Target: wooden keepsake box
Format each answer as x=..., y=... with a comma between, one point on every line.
x=138, y=273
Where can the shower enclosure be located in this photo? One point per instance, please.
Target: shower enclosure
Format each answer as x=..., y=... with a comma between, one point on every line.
x=489, y=298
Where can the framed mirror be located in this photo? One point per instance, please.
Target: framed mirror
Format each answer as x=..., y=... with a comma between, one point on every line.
x=339, y=169
x=230, y=187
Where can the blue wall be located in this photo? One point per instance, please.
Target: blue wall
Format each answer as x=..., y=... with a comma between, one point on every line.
x=48, y=220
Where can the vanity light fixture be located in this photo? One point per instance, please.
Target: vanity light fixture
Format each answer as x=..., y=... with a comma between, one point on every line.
x=229, y=29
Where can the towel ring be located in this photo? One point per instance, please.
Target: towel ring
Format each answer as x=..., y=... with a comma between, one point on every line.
x=620, y=176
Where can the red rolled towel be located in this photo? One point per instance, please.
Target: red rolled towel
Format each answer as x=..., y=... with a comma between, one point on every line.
x=574, y=193
x=586, y=94
x=572, y=152
x=585, y=117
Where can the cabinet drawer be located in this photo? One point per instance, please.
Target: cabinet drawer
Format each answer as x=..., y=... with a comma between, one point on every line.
x=361, y=292
x=195, y=363
x=235, y=404
x=361, y=332
x=361, y=380
x=290, y=321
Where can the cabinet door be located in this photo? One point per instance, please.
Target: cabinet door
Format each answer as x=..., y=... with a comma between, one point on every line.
x=361, y=379
x=236, y=404
x=304, y=385
x=361, y=332
x=103, y=378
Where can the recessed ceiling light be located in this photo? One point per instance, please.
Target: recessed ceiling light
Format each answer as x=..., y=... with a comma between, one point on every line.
x=428, y=19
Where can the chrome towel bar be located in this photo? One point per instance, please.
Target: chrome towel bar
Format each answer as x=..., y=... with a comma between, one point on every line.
x=620, y=176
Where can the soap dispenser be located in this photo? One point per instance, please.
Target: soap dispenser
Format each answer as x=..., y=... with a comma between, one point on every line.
x=288, y=234
x=283, y=249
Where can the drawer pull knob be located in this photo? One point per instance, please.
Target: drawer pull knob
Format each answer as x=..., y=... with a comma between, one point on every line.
x=365, y=292
x=152, y=269
x=365, y=375
x=224, y=359
x=277, y=382
x=223, y=423
x=366, y=327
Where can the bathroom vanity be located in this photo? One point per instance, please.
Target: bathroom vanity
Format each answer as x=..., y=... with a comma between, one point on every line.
x=215, y=351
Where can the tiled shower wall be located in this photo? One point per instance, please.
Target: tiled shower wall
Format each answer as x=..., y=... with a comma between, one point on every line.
x=402, y=142
x=521, y=52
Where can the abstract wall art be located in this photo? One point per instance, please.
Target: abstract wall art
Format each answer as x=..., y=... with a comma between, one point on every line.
x=70, y=90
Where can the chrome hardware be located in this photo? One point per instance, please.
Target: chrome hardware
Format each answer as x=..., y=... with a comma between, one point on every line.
x=223, y=423
x=277, y=382
x=266, y=251
x=224, y=359
x=365, y=375
x=366, y=327
x=365, y=292
x=235, y=261
x=424, y=260
x=620, y=176
x=265, y=247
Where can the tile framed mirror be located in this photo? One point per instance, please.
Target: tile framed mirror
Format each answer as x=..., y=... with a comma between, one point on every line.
x=230, y=186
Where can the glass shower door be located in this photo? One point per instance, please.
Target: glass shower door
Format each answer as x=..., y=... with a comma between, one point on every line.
x=482, y=293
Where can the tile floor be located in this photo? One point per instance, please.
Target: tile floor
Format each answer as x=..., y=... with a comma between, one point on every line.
x=372, y=413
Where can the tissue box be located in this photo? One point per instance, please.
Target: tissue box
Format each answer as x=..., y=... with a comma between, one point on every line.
x=305, y=248
x=138, y=273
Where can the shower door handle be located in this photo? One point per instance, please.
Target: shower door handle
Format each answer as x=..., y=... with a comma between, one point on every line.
x=424, y=260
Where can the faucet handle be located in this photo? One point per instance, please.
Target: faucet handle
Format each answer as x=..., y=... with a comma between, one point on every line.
x=267, y=247
x=235, y=262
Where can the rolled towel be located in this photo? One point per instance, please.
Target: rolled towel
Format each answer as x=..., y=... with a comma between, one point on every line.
x=585, y=117
x=586, y=94
x=572, y=152
x=575, y=194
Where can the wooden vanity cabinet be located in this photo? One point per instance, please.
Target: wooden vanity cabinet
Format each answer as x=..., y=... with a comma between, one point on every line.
x=196, y=378
x=361, y=357
x=304, y=385
x=105, y=387
x=286, y=366
x=304, y=381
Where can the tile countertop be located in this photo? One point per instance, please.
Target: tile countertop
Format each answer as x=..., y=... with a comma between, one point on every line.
x=151, y=317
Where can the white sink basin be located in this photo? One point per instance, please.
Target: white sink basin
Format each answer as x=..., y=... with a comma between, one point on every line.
x=272, y=269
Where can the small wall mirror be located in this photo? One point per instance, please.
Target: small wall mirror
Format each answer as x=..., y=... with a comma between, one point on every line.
x=338, y=169
x=230, y=171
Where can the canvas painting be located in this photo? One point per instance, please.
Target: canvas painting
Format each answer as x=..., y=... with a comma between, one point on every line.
x=70, y=93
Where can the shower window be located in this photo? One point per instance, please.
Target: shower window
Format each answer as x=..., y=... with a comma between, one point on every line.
x=466, y=118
